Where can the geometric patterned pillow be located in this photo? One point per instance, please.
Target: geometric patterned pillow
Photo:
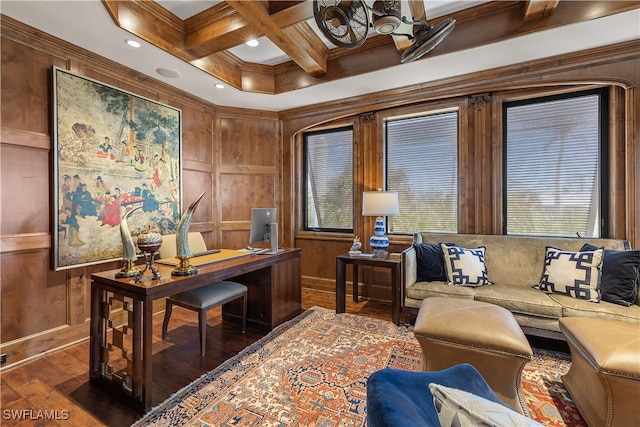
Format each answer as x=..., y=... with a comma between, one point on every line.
x=575, y=274
x=465, y=267
x=457, y=408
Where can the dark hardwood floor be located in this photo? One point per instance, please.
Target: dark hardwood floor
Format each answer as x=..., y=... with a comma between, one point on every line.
x=59, y=382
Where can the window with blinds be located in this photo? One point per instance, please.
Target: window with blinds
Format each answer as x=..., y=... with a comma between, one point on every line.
x=328, y=169
x=422, y=166
x=554, y=166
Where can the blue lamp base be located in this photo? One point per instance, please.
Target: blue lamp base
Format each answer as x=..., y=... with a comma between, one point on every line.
x=379, y=242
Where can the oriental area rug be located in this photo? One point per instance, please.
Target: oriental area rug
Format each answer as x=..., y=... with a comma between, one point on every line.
x=313, y=370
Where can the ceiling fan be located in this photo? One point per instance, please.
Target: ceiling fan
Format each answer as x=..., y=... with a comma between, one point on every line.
x=346, y=24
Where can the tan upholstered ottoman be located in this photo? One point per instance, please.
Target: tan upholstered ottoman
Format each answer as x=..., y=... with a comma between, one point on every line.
x=453, y=331
x=604, y=378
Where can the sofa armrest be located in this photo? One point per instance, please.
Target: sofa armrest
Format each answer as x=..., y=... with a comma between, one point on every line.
x=409, y=270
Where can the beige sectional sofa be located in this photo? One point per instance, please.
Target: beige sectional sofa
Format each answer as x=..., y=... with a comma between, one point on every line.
x=514, y=264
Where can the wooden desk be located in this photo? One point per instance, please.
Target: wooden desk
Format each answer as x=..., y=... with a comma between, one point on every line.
x=395, y=265
x=121, y=313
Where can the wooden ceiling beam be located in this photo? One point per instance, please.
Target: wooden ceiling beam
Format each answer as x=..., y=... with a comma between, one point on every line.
x=539, y=8
x=290, y=40
x=222, y=27
x=218, y=28
x=416, y=9
x=308, y=40
x=294, y=14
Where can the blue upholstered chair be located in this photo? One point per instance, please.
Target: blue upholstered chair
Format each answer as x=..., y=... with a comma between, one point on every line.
x=402, y=398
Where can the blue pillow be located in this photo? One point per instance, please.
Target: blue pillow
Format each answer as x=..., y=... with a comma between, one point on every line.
x=620, y=275
x=430, y=262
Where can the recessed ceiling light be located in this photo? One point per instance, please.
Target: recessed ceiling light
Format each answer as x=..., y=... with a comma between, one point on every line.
x=253, y=43
x=168, y=72
x=219, y=86
x=132, y=43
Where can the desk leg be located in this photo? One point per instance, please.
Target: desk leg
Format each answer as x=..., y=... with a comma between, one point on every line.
x=96, y=331
x=395, y=289
x=341, y=287
x=355, y=283
x=147, y=353
x=120, y=356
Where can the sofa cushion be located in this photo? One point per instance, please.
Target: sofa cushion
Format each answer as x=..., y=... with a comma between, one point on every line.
x=538, y=322
x=422, y=290
x=620, y=275
x=465, y=267
x=575, y=274
x=430, y=262
x=572, y=307
x=461, y=408
x=520, y=300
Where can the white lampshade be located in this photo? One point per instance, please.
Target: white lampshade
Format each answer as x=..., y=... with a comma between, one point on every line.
x=380, y=203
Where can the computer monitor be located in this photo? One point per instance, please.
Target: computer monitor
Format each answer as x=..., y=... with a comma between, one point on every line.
x=261, y=220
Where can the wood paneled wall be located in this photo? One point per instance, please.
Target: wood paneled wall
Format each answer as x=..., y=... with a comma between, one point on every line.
x=233, y=154
x=478, y=97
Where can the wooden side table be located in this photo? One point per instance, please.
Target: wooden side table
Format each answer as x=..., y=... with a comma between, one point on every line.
x=394, y=264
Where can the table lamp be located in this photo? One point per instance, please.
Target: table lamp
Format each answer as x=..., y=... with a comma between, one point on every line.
x=379, y=204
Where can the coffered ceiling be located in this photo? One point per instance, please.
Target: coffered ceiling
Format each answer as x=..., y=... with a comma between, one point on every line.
x=194, y=44
x=213, y=38
x=293, y=53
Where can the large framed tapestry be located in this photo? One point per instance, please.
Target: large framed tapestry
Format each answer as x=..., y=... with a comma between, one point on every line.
x=114, y=151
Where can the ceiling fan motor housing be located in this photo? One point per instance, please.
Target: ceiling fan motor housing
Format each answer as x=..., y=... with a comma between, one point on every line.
x=386, y=16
